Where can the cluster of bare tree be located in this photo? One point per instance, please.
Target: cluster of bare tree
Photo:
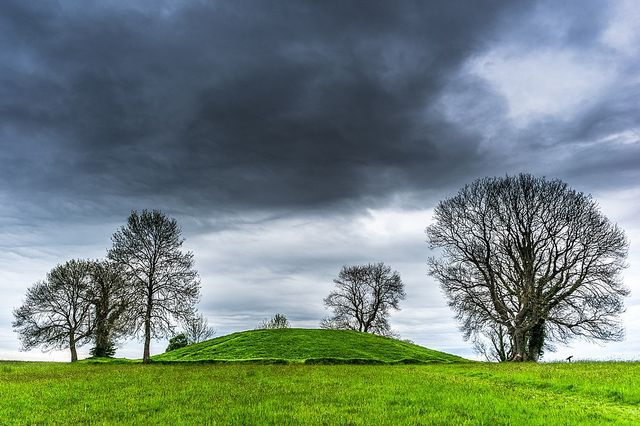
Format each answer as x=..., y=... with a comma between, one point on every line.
x=146, y=285
x=527, y=262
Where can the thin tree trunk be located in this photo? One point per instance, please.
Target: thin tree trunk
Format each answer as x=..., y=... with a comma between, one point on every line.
x=147, y=334
x=147, y=341
x=72, y=348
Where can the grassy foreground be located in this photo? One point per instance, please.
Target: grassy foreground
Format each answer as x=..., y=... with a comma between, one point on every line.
x=311, y=346
x=188, y=393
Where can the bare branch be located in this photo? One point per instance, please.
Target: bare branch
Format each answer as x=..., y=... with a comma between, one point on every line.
x=164, y=285
x=530, y=257
x=56, y=313
x=363, y=297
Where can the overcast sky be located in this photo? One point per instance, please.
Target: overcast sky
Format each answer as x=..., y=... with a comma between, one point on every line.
x=292, y=137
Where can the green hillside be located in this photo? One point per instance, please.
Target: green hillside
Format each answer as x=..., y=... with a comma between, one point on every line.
x=298, y=345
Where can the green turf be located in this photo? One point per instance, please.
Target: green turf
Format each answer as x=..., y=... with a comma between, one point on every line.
x=296, y=345
x=247, y=394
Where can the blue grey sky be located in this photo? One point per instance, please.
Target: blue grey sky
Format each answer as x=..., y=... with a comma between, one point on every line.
x=291, y=138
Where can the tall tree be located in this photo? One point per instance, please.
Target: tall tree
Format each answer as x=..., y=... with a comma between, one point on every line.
x=164, y=285
x=56, y=313
x=362, y=299
x=111, y=299
x=529, y=261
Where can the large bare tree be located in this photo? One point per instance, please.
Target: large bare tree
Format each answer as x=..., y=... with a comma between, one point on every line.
x=529, y=261
x=363, y=297
x=57, y=312
x=163, y=281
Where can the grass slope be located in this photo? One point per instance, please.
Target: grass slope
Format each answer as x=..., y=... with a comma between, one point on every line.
x=296, y=345
x=439, y=394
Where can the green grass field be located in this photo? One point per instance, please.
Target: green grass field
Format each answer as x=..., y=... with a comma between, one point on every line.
x=192, y=393
x=279, y=386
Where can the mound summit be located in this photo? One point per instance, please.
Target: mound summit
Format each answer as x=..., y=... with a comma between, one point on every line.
x=311, y=346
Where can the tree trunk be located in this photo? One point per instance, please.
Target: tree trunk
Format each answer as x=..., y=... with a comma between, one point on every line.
x=146, y=359
x=72, y=348
x=519, y=354
x=536, y=341
x=101, y=339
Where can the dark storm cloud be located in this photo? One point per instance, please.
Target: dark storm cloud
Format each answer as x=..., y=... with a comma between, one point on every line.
x=228, y=105
x=549, y=22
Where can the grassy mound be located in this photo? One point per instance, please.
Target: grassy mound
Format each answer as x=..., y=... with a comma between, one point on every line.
x=311, y=346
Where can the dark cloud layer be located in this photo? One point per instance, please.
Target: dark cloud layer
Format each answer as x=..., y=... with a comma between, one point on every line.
x=228, y=105
x=236, y=105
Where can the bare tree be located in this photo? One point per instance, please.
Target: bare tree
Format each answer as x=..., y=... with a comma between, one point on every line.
x=362, y=299
x=494, y=343
x=163, y=282
x=111, y=299
x=531, y=258
x=197, y=329
x=56, y=313
x=277, y=321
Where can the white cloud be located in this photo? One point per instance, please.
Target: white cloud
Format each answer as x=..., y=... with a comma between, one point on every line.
x=625, y=137
x=543, y=82
x=623, y=31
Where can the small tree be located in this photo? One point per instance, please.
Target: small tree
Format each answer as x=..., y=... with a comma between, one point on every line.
x=57, y=312
x=161, y=278
x=178, y=341
x=197, y=329
x=105, y=351
x=362, y=299
x=277, y=321
x=109, y=295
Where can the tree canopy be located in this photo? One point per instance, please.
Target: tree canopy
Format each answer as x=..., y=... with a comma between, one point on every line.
x=178, y=341
x=363, y=298
x=526, y=262
x=57, y=312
